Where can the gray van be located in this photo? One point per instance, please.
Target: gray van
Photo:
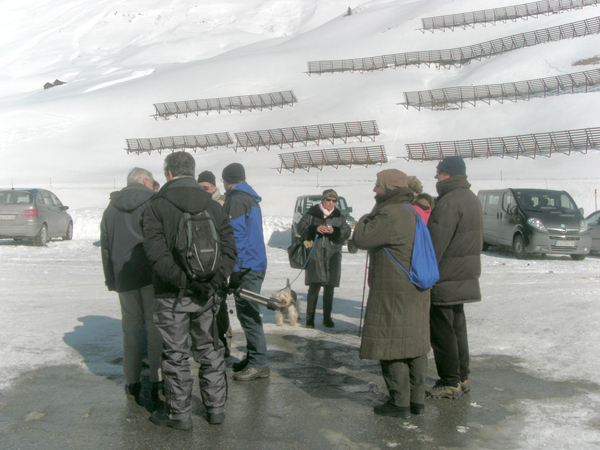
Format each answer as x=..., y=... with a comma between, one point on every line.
x=534, y=221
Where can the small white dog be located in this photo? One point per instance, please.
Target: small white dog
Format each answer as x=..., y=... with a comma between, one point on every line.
x=288, y=299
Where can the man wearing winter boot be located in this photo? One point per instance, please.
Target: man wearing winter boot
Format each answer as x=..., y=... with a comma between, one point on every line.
x=127, y=271
x=185, y=314
x=242, y=206
x=456, y=228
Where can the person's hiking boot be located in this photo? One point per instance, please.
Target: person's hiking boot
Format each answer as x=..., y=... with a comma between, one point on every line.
x=157, y=388
x=134, y=389
x=310, y=321
x=162, y=420
x=252, y=373
x=465, y=385
x=240, y=365
x=391, y=410
x=440, y=390
x=417, y=408
x=215, y=418
x=328, y=322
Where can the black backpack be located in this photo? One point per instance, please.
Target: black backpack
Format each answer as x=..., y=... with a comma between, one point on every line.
x=198, y=248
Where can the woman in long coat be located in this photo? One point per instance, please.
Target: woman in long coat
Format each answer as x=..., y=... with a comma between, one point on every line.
x=396, y=329
x=326, y=227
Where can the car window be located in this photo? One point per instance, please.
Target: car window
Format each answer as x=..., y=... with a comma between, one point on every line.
x=493, y=202
x=55, y=199
x=593, y=218
x=310, y=202
x=507, y=201
x=46, y=198
x=15, y=197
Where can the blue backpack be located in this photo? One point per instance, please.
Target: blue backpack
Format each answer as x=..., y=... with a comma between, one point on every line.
x=424, y=271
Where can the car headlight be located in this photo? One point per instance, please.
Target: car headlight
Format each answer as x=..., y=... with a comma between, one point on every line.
x=536, y=223
x=583, y=226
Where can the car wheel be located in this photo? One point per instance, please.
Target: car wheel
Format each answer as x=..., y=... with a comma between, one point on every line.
x=578, y=257
x=42, y=237
x=519, y=247
x=69, y=233
x=351, y=247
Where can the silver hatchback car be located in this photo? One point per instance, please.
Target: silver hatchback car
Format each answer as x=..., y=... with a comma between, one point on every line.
x=35, y=214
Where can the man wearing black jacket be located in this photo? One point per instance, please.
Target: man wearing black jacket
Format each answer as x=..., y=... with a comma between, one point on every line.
x=186, y=309
x=127, y=271
x=456, y=228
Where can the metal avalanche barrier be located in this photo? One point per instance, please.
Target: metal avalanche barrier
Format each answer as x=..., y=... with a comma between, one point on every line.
x=195, y=142
x=451, y=97
x=335, y=157
x=461, y=55
x=238, y=103
x=502, y=14
x=580, y=140
x=307, y=133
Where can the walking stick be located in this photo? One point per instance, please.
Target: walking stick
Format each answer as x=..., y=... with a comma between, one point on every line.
x=363, y=296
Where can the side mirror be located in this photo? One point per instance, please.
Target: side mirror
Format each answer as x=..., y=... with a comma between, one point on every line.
x=64, y=208
x=349, y=208
x=512, y=210
x=581, y=211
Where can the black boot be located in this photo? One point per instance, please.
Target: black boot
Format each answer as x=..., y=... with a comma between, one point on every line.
x=327, y=306
x=311, y=304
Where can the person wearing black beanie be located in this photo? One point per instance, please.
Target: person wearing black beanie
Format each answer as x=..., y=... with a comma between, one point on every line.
x=242, y=207
x=456, y=228
x=234, y=173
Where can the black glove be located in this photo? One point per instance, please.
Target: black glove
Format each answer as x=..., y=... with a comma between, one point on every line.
x=219, y=283
x=235, y=280
x=202, y=291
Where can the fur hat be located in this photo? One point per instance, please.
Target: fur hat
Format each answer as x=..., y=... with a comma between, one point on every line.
x=207, y=177
x=415, y=184
x=452, y=165
x=234, y=173
x=329, y=193
x=392, y=179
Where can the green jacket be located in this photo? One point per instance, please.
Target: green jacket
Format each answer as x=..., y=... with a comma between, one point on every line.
x=397, y=315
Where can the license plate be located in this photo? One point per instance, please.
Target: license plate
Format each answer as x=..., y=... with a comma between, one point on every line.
x=7, y=217
x=565, y=243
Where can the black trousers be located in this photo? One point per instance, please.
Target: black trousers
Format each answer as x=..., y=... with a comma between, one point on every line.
x=448, y=328
x=313, y=296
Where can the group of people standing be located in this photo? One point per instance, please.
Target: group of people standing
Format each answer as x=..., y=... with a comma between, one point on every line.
x=179, y=315
x=402, y=321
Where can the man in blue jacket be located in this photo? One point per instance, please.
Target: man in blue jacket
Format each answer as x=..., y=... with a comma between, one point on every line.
x=241, y=205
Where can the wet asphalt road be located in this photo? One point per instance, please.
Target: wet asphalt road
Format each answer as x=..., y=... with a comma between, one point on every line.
x=319, y=396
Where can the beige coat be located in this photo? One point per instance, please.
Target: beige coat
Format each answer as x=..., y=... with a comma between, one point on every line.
x=397, y=315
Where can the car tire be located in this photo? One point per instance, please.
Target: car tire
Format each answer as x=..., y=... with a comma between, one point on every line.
x=42, y=237
x=69, y=233
x=519, y=247
x=578, y=257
